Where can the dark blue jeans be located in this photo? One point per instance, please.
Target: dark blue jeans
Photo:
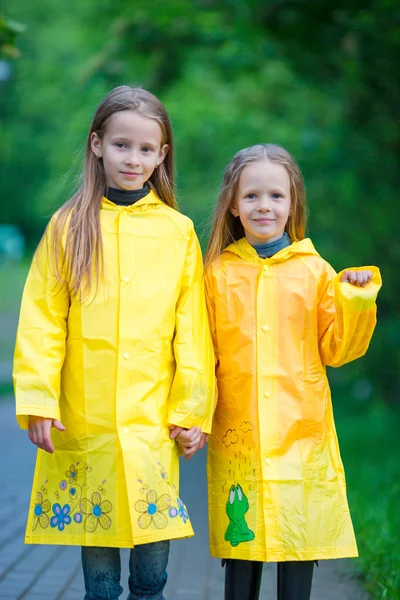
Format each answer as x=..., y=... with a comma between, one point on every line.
x=147, y=568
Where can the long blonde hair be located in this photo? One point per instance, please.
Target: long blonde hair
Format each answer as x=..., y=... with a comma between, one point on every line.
x=225, y=227
x=79, y=218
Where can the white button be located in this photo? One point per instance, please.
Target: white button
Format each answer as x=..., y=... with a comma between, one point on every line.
x=124, y=212
x=266, y=268
x=126, y=430
x=126, y=279
x=265, y=328
x=126, y=355
x=268, y=461
x=267, y=394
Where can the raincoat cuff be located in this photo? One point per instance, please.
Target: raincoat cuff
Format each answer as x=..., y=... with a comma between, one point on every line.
x=23, y=415
x=189, y=422
x=367, y=293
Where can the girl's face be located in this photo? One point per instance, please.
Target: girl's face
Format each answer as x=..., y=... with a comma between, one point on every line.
x=131, y=149
x=262, y=201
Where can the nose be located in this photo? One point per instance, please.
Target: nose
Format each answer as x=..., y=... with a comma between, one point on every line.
x=132, y=158
x=264, y=204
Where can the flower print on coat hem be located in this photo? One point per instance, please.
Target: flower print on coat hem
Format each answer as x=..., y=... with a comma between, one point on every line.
x=41, y=508
x=73, y=473
x=152, y=510
x=96, y=511
x=61, y=516
x=183, y=513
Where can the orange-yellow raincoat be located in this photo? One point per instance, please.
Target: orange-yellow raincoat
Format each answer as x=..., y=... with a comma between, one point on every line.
x=277, y=488
x=117, y=370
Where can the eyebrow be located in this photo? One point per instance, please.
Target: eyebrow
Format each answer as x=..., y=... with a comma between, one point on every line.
x=121, y=138
x=255, y=188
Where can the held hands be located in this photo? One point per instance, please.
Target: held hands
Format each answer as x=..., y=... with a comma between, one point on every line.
x=39, y=432
x=358, y=278
x=189, y=440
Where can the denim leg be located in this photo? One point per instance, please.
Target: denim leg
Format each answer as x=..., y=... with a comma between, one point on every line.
x=102, y=573
x=148, y=575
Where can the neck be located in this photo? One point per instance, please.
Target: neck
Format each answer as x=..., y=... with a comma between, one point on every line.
x=126, y=197
x=270, y=248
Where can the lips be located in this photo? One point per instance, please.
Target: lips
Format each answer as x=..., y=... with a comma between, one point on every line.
x=126, y=174
x=264, y=221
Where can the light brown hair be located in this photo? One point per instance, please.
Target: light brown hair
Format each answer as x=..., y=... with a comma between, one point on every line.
x=225, y=227
x=81, y=263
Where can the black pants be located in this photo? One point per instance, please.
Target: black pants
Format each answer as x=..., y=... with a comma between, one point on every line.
x=243, y=579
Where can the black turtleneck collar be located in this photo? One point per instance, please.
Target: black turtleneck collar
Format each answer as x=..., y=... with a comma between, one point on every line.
x=126, y=197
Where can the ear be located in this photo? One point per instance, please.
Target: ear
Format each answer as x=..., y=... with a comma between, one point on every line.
x=163, y=154
x=95, y=144
x=234, y=210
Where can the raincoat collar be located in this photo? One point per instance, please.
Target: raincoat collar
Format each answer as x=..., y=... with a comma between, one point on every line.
x=244, y=250
x=151, y=199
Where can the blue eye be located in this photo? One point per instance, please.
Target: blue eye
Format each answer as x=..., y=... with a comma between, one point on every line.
x=120, y=145
x=146, y=149
x=276, y=196
x=251, y=196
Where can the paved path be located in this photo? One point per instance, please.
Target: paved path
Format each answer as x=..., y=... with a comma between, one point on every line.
x=54, y=573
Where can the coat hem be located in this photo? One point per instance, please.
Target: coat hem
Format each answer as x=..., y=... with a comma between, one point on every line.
x=300, y=555
x=105, y=542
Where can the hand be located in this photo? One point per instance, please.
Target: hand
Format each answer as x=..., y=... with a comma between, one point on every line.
x=203, y=441
x=358, y=278
x=188, y=439
x=39, y=432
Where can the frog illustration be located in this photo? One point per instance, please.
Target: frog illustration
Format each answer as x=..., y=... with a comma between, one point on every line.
x=236, y=507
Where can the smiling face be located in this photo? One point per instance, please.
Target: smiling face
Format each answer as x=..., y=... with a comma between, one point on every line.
x=262, y=201
x=131, y=149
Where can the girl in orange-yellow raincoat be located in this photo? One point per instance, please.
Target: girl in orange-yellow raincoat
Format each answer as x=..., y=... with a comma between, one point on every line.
x=113, y=348
x=279, y=315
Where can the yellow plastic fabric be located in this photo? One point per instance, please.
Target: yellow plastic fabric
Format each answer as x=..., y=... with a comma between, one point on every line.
x=117, y=370
x=277, y=488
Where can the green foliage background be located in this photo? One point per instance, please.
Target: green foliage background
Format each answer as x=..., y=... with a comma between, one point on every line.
x=320, y=78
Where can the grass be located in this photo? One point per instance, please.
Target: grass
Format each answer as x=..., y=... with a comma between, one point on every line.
x=12, y=279
x=370, y=451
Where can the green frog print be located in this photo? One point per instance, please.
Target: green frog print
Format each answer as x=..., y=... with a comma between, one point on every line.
x=236, y=508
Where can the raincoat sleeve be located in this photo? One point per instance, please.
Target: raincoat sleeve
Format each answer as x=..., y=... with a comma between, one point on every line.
x=346, y=316
x=40, y=346
x=192, y=397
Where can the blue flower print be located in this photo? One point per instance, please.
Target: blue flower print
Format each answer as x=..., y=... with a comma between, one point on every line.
x=96, y=511
x=74, y=473
x=153, y=509
x=61, y=516
x=183, y=513
x=78, y=517
x=39, y=512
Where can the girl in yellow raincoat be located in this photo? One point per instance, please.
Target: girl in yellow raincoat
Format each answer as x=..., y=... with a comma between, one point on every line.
x=113, y=348
x=279, y=315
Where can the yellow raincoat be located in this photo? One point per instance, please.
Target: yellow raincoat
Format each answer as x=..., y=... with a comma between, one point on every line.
x=277, y=488
x=116, y=371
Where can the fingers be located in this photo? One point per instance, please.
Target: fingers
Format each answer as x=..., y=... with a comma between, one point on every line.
x=204, y=440
x=190, y=437
x=357, y=278
x=58, y=425
x=174, y=431
x=191, y=451
x=39, y=433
